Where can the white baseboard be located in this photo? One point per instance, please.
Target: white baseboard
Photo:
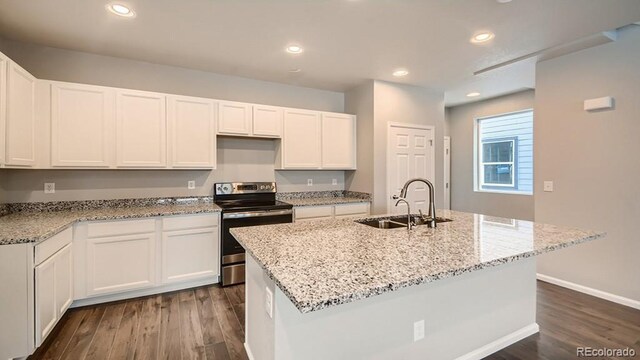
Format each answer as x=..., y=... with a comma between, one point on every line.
x=501, y=343
x=248, y=350
x=144, y=292
x=590, y=291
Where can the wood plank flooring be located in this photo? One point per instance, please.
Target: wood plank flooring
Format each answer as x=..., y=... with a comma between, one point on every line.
x=208, y=323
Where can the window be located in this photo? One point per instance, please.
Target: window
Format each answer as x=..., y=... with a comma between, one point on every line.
x=504, y=153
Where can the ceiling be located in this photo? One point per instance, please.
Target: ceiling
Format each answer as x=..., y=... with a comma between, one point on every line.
x=345, y=41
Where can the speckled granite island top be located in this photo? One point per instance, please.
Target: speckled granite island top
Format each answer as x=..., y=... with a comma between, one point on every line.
x=31, y=226
x=319, y=264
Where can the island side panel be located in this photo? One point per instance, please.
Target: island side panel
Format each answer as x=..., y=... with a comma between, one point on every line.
x=259, y=327
x=466, y=317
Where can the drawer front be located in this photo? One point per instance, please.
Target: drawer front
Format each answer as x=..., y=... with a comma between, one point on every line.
x=314, y=212
x=352, y=209
x=48, y=247
x=184, y=222
x=121, y=227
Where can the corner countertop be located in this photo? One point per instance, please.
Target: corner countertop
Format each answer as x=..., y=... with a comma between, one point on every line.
x=319, y=264
x=36, y=226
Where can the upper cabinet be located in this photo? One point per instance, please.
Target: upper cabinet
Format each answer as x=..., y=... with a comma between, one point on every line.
x=141, y=126
x=301, y=141
x=338, y=141
x=234, y=118
x=20, y=120
x=82, y=118
x=267, y=121
x=192, y=131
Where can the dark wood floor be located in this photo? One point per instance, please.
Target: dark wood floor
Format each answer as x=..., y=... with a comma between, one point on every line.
x=208, y=323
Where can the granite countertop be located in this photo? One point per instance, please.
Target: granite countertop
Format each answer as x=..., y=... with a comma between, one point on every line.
x=317, y=198
x=324, y=263
x=36, y=226
x=317, y=201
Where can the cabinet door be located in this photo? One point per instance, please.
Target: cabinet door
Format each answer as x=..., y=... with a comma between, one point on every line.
x=81, y=119
x=4, y=61
x=120, y=263
x=45, y=299
x=192, y=132
x=64, y=280
x=190, y=254
x=267, y=121
x=234, y=118
x=141, y=129
x=301, y=140
x=338, y=141
x=20, y=117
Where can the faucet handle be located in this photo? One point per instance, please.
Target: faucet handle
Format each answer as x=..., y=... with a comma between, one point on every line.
x=395, y=197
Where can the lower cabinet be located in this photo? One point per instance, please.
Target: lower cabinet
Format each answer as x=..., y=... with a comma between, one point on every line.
x=53, y=291
x=318, y=212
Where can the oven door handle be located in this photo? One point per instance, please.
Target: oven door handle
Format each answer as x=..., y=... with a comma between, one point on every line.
x=250, y=214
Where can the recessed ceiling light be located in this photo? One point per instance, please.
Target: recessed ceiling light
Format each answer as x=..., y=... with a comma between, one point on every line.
x=482, y=37
x=121, y=10
x=503, y=1
x=294, y=49
x=473, y=94
x=401, y=72
x=295, y=70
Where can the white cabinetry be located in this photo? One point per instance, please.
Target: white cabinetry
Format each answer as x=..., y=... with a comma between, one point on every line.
x=300, y=148
x=338, y=141
x=267, y=121
x=192, y=132
x=190, y=248
x=141, y=126
x=4, y=61
x=53, y=283
x=234, y=118
x=20, y=119
x=319, y=212
x=82, y=117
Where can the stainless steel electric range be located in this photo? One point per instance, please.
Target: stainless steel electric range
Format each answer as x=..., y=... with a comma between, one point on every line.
x=245, y=204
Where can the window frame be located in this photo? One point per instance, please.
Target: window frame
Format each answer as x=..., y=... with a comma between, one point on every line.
x=514, y=161
x=477, y=142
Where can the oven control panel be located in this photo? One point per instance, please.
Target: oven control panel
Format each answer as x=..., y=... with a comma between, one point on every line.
x=244, y=188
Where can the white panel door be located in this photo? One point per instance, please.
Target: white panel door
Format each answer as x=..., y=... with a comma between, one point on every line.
x=410, y=154
x=46, y=314
x=192, y=132
x=20, y=119
x=141, y=129
x=267, y=121
x=301, y=140
x=120, y=263
x=82, y=117
x=234, y=118
x=4, y=61
x=338, y=141
x=190, y=254
x=447, y=172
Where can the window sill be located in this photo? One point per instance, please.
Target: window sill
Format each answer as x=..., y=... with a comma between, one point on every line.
x=504, y=192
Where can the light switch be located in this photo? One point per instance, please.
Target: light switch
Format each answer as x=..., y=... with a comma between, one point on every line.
x=548, y=186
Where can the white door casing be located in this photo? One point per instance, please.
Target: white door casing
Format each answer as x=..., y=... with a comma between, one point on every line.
x=410, y=154
x=447, y=173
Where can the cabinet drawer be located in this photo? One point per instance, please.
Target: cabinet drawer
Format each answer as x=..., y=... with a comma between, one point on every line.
x=121, y=227
x=312, y=212
x=352, y=209
x=48, y=247
x=184, y=222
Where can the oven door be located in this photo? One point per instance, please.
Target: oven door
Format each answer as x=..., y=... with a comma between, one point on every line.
x=233, y=254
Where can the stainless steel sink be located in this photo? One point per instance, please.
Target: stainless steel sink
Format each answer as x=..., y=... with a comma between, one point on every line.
x=394, y=222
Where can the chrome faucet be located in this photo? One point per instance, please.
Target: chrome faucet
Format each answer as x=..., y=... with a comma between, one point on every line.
x=409, y=219
x=431, y=213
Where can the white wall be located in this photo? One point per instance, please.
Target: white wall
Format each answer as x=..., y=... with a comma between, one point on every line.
x=460, y=126
x=360, y=100
x=238, y=159
x=593, y=159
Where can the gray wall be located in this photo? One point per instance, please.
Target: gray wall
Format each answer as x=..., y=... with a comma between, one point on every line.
x=460, y=124
x=378, y=103
x=238, y=159
x=593, y=159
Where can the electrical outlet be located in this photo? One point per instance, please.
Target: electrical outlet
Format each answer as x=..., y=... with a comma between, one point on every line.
x=548, y=186
x=49, y=188
x=418, y=330
x=334, y=182
x=191, y=184
x=268, y=302
x=309, y=182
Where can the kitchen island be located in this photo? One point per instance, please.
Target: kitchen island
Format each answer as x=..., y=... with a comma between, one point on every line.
x=338, y=289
